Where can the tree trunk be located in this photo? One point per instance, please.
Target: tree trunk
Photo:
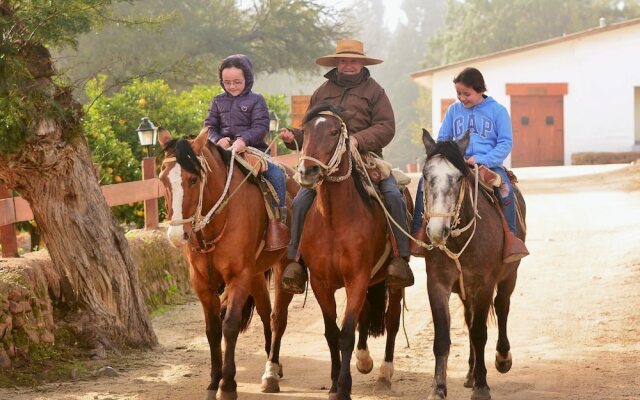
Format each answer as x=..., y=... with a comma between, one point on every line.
x=100, y=283
x=54, y=172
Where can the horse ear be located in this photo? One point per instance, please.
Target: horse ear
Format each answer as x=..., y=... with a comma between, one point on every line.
x=164, y=136
x=463, y=142
x=200, y=141
x=428, y=141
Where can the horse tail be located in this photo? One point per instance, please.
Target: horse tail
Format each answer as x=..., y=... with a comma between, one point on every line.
x=377, y=298
x=247, y=313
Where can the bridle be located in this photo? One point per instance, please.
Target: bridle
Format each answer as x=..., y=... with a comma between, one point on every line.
x=455, y=214
x=334, y=162
x=199, y=221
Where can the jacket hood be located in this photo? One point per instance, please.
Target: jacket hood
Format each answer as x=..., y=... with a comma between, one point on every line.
x=247, y=69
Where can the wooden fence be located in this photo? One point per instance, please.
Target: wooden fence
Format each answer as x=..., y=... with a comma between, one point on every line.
x=149, y=189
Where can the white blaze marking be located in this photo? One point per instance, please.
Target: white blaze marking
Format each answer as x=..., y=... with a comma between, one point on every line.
x=442, y=171
x=175, y=232
x=319, y=120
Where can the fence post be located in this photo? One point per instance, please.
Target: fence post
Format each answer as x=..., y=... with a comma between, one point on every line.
x=8, y=238
x=150, y=206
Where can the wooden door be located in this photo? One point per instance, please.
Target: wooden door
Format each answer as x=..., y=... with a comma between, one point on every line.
x=538, y=130
x=299, y=105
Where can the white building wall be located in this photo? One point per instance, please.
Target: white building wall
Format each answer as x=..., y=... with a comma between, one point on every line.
x=601, y=71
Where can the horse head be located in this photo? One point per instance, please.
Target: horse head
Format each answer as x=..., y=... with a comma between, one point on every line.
x=443, y=173
x=325, y=141
x=183, y=175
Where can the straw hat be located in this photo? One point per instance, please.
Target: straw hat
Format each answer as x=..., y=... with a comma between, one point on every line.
x=347, y=48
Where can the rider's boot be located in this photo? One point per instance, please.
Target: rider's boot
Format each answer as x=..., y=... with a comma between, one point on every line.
x=294, y=277
x=514, y=248
x=278, y=234
x=399, y=273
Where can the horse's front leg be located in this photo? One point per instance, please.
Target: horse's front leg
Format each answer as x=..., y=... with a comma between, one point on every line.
x=327, y=302
x=364, y=362
x=279, y=315
x=392, y=323
x=238, y=290
x=478, y=333
x=502, y=304
x=356, y=294
x=439, y=299
x=260, y=294
x=202, y=286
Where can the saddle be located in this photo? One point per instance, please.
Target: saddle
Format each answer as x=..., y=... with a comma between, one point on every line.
x=253, y=162
x=489, y=181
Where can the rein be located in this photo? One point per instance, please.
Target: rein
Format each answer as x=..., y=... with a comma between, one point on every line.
x=456, y=220
x=197, y=219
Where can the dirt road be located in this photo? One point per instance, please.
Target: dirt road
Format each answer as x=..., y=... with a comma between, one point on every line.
x=574, y=325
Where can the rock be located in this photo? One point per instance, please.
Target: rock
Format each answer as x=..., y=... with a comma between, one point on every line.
x=108, y=372
x=47, y=337
x=5, y=361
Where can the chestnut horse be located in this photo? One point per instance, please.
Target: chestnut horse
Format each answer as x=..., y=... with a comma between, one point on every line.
x=464, y=225
x=344, y=237
x=224, y=250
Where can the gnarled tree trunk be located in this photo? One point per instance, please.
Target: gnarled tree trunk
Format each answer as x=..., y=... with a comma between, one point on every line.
x=53, y=171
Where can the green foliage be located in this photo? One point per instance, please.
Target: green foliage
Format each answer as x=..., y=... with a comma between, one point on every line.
x=28, y=28
x=502, y=24
x=187, y=40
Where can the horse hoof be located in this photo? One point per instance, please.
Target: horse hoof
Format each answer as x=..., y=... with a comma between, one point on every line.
x=364, y=368
x=270, y=385
x=468, y=382
x=383, y=384
x=503, y=365
x=222, y=395
x=365, y=362
x=436, y=395
x=211, y=394
x=481, y=394
x=336, y=396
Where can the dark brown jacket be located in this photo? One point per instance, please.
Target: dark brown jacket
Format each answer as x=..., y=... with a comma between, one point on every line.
x=373, y=124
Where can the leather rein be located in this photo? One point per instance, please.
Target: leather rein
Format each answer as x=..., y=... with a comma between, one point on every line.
x=198, y=221
x=334, y=162
x=455, y=214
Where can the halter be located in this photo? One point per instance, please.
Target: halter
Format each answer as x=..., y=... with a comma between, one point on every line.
x=197, y=219
x=334, y=163
x=456, y=220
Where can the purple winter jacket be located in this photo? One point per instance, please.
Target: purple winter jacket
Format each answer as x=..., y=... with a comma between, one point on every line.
x=244, y=116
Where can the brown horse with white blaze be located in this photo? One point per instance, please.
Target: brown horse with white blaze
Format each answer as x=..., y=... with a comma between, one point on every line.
x=344, y=239
x=220, y=220
x=465, y=231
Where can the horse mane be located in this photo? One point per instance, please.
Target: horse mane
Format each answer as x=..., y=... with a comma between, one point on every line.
x=451, y=152
x=184, y=154
x=315, y=110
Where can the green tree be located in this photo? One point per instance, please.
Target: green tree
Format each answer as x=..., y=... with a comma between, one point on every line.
x=407, y=50
x=496, y=25
x=184, y=42
x=45, y=158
